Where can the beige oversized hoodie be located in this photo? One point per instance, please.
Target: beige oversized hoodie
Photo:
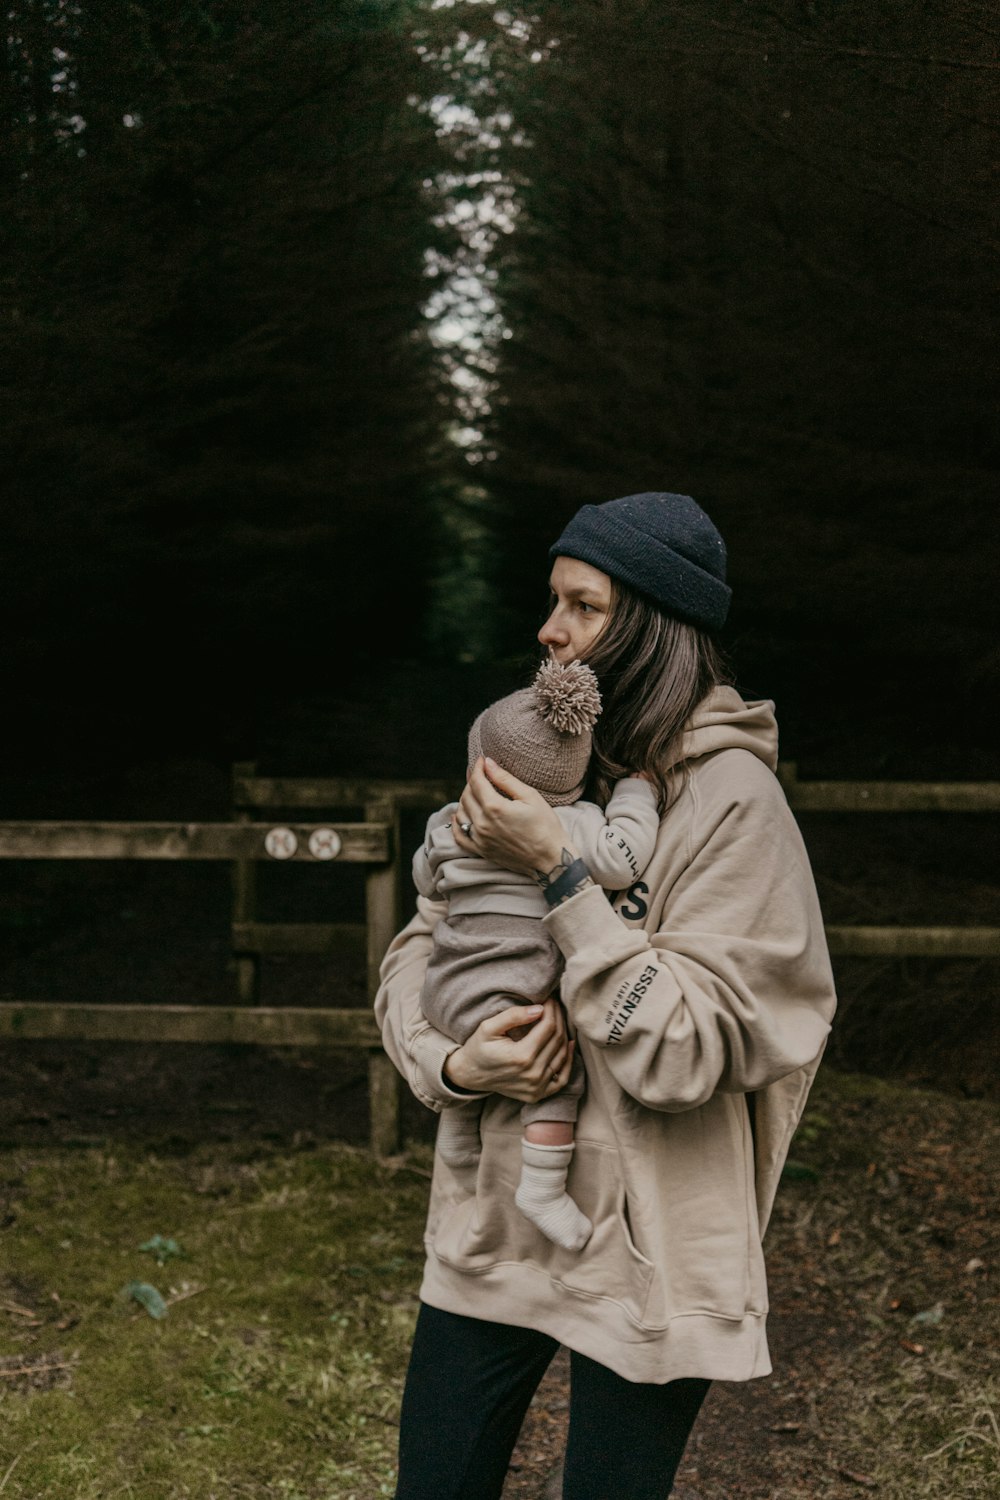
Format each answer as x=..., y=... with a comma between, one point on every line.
x=701, y=999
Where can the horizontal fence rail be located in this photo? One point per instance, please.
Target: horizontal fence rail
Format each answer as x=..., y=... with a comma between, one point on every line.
x=348, y=939
x=373, y=839
x=914, y=942
x=887, y=796
x=351, y=843
x=282, y=1025
x=338, y=791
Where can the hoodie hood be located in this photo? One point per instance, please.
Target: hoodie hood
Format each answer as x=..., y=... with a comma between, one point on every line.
x=723, y=721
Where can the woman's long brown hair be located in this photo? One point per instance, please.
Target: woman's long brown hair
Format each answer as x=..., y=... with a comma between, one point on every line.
x=653, y=671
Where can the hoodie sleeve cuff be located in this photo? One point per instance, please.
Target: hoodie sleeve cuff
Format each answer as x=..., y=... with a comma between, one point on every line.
x=588, y=920
x=430, y=1050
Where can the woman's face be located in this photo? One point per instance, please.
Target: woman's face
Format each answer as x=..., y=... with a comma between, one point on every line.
x=579, y=610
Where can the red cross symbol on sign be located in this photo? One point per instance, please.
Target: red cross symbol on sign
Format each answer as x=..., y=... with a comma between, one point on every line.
x=280, y=843
x=324, y=843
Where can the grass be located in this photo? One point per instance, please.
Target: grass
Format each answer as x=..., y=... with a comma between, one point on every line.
x=277, y=1369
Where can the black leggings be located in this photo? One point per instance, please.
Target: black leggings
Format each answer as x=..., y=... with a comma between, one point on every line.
x=469, y=1385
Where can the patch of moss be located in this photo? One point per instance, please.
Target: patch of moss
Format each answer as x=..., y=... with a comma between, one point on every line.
x=277, y=1369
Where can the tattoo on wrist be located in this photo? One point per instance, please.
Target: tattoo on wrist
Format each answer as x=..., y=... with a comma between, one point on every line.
x=564, y=880
x=546, y=877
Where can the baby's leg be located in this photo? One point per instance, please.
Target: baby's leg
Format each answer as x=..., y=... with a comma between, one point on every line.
x=546, y=1152
x=542, y=1197
x=559, y=1110
x=458, y=1140
x=451, y=1003
x=550, y=1133
x=479, y=966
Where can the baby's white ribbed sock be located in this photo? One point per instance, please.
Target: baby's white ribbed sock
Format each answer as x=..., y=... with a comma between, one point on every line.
x=542, y=1197
x=458, y=1139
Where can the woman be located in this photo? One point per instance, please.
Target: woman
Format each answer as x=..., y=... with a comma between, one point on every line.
x=701, y=999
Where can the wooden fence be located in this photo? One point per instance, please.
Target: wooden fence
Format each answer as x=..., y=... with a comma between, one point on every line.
x=899, y=797
x=373, y=839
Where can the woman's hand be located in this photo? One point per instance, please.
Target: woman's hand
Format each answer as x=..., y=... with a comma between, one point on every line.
x=515, y=1054
x=511, y=824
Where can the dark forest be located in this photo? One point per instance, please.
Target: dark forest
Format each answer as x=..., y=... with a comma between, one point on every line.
x=320, y=320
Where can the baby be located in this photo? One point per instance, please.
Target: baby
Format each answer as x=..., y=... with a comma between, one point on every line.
x=491, y=950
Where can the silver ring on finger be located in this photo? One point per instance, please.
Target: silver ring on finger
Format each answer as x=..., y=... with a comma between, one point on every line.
x=466, y=829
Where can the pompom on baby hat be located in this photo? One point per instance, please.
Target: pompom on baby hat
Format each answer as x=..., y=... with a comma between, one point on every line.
x=542, y=734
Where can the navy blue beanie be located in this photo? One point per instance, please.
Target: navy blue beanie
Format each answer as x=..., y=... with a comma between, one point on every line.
x=662, y=545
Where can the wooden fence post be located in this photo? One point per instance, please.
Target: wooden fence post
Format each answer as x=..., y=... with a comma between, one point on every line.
x=245, y=897
x=382, y=914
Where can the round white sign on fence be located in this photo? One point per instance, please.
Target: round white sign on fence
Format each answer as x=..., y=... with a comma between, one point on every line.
x=325, y=843
x=280, y=843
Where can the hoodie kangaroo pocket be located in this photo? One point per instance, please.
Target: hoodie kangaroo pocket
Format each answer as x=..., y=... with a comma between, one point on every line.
x=478, y=1232
x=610, y=1265
x=474, y=1230
x=691, y=1180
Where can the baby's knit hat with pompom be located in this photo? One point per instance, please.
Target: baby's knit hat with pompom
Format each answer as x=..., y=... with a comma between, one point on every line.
x=542, y=734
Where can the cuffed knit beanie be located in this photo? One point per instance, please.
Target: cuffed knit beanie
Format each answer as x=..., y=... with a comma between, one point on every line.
x=662, y=545
x=542, y=734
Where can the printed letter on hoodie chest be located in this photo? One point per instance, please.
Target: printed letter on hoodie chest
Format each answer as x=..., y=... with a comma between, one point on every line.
x=634, y=906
